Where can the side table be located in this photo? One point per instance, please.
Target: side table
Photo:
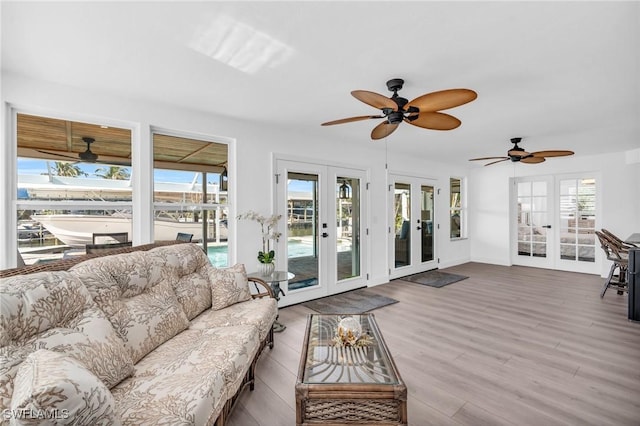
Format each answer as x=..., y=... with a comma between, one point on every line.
x=274, y=279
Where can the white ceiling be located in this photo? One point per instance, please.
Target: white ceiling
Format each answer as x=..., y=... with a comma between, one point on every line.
x=562, y=75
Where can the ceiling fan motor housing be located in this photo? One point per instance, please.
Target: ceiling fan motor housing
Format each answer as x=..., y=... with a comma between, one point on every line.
x=395, y=84
x=88, y=156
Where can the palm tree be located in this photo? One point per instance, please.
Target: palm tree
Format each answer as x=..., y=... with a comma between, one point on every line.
x=113, y=172
x=63, y=168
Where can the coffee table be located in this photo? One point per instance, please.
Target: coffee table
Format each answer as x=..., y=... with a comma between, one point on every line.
x=347, y=384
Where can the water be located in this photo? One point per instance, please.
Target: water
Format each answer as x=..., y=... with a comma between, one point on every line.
x=219, y=254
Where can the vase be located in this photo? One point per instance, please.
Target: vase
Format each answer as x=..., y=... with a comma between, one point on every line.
x=266, y=269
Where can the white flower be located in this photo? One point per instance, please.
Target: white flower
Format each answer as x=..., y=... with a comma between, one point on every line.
x=269, y=233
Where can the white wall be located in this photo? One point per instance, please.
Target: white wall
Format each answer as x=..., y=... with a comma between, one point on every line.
x=489, y=197
x=252, y=145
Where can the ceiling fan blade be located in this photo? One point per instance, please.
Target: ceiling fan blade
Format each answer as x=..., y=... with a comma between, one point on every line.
x=488, y=158
x=516, y=153
x=496, y=162
x=383, y=130
x=57, y=155
x=374, y=99
x=350, y=119
x=532, y=160
x=110, y=163
x=443, y=99
x=433, y=121
x=553, y=153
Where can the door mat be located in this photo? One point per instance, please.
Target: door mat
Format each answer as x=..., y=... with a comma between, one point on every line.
x=352, y=302
x=434, y=278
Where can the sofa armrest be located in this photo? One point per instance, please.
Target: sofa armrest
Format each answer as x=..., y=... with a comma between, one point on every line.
x=267, y=287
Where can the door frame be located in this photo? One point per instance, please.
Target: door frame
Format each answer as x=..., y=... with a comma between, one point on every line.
x=416, y=264
x=328, y=283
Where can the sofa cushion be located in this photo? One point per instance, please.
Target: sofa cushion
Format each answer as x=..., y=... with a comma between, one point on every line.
x=59, y=387
x=53, y=310
x=260, y=313
x=140, y=304
x=186, y=267
x=11, y=357
x=187, y=379
x=228, y=286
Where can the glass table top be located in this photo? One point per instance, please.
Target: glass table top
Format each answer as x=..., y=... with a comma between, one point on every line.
x=330, y=360
x=275, y=276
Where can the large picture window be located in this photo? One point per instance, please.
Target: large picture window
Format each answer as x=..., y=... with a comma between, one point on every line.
x=73, y=182
x=190, y=192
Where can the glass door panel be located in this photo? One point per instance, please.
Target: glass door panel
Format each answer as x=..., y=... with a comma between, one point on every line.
x=577, y=220
x=302, y=230
x=426, y=223
x=347, y=196
x=532, y=219
x=402, y=215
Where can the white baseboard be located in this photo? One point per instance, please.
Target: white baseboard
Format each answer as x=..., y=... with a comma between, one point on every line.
x=491, y=261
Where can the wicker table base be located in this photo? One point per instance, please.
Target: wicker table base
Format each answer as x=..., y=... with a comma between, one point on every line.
x=347, y=386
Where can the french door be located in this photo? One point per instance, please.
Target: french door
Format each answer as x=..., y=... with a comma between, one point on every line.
x=555, y=218
x=412, y=242
x=322, y=244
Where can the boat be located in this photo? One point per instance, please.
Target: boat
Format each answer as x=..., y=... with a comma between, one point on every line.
x=76, y=230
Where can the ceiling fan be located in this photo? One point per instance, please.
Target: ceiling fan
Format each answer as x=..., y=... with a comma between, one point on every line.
x=87, y=156
x=421, y=112
x=517, y=154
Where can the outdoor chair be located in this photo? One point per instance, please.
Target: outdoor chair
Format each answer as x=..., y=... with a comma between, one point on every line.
x=184, y=237
x=617, y=254
x=107, y=237
x=105, y=248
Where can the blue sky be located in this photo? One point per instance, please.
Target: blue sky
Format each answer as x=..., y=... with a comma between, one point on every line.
x=32, y=166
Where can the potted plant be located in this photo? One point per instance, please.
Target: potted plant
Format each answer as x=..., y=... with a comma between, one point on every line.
x=266, y=256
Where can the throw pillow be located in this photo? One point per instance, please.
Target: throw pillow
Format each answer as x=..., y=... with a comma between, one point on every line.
x=53, y=387
x=138, y=302
x=228, y=286
x=184, y=265
x=54, y=311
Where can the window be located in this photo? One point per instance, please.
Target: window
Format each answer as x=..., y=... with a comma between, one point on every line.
x=73, y=181
x=457, y=212
x=190, y=194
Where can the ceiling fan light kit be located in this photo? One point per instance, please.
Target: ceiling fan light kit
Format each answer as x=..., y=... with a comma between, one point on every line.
x=518, y=154
x=422, y=112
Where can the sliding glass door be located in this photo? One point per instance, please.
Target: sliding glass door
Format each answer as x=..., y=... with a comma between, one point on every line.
x=323, y=207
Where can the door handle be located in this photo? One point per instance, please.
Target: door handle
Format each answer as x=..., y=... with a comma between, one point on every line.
x=546, y=226
x=325, y=235
x=418, y=228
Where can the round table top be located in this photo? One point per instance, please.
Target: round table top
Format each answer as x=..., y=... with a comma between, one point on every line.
x=275, y=276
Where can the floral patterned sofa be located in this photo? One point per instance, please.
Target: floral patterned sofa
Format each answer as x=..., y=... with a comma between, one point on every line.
x=147, y=337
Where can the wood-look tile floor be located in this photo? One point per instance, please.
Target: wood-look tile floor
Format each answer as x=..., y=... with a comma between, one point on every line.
x=507, y=346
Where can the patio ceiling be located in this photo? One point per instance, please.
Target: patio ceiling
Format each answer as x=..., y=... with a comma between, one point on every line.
x=62, y=140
